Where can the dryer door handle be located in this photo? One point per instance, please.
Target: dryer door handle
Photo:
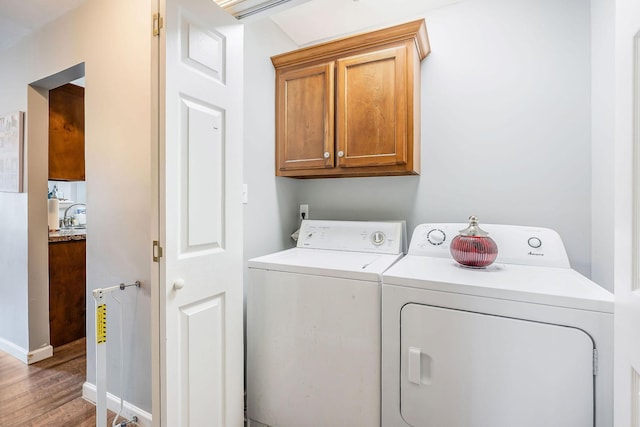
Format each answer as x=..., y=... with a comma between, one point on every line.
x=413, y=370
x=418, y=366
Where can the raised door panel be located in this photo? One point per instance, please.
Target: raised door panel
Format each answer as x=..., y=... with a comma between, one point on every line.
x=372, y=109
x=66, y=133
x=304, y=131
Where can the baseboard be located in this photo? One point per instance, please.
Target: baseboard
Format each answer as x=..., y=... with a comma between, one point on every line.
x=113, y=404
x=22, y=354
x=40, y=354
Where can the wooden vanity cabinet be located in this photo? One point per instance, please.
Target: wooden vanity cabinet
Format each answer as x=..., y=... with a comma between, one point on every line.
x=67, y=291
x=351, y=107
x=66, y=133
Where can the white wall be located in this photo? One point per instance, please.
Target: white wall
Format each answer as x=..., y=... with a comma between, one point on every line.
x=271, y=214
x=602, y=135
x=505, y=125
x=14, y=321
x=118, y=169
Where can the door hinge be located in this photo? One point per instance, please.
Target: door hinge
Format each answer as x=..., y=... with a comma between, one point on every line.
x=157, y=251
x=157, y=24
x=595, y=362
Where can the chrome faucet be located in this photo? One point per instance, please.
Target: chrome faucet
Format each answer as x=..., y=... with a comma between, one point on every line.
x=66, y=221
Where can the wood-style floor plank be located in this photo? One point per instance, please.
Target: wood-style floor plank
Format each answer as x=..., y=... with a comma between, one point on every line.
x=48, y=392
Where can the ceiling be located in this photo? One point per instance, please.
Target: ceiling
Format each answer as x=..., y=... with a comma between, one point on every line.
x=19, y=17
x=319, y=20
x=304, y=21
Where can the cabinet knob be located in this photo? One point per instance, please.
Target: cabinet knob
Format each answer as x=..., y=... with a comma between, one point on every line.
x=178, y=284
x=327, y=154
x=340, y=153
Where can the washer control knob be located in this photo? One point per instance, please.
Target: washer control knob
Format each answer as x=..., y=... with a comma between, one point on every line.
x=534, y=242
x=378, y=238
x=436, y=236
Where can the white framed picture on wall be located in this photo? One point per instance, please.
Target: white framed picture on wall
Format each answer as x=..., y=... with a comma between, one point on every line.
x=11, y=149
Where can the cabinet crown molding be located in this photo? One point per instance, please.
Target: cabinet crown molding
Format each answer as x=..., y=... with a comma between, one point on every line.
x=416, y=30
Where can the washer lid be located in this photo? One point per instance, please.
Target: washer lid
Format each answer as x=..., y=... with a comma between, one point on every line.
x=562, y=287
x=320, y=262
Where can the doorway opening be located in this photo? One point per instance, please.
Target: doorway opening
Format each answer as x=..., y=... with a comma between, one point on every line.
x=60, y=107
x=57, y=260
x=67, y=206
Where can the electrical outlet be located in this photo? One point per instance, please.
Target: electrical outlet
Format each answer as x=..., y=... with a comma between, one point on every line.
x=304, y=212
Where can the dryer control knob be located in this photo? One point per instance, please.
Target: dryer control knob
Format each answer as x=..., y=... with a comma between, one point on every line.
x=534, y=242
x=436, y=236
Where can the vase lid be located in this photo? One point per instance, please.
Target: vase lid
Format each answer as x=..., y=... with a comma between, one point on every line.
x=473, y=230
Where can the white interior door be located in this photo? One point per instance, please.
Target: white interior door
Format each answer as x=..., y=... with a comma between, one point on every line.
x=627, y=292
x=200, y=197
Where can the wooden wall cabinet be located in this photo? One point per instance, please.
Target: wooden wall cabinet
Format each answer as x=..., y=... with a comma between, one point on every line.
x=66, y=133
x=67, y=291
x=351, y=107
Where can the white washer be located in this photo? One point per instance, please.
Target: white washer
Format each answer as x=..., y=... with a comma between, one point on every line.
x=313, y=326
x=525, y=342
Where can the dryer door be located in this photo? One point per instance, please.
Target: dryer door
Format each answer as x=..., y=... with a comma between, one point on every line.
x=465, y=369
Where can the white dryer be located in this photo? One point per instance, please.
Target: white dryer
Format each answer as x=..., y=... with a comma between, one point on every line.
x=525, y=342
x=313, y=326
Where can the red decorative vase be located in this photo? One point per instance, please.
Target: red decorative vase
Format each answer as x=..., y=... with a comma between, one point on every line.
x=473, y=247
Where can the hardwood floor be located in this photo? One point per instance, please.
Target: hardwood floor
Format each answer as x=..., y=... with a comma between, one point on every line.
x=46, y=393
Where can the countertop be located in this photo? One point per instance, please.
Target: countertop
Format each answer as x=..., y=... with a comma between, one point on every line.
x=67, y=235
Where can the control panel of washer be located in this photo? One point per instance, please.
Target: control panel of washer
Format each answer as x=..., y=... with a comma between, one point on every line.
x=516, y=244
x=358, y=236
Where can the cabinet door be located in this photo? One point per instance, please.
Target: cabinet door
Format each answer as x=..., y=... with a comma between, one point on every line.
x=66, y=133
x=371, y=108
x=67, y=291
x=304, y=131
